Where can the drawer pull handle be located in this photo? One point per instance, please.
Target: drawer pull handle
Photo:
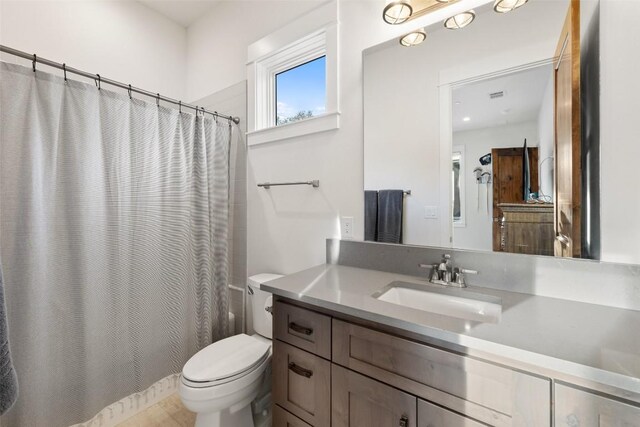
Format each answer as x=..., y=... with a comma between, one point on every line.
x=404, y=421
x=300, y=329
x=300, y=371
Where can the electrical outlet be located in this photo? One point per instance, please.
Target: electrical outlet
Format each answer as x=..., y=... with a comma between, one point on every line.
x=431, y=212
x=347, y=227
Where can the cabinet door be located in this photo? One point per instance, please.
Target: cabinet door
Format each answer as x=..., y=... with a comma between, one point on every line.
x=301, y=384
x=303, y=328
x=430, y=415
x=579, y=408
x=360, y=401
x=483, y=391
x=282, y=418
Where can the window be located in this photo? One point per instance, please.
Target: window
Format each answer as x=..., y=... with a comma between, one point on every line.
x=457, y=186
x=301, y=92
x=292, y=79
x=457, y=211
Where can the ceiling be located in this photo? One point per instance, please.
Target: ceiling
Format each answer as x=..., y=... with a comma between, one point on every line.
x=523, y=94
x=182, y=12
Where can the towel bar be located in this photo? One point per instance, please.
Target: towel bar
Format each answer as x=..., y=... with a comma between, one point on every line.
x=266, y=185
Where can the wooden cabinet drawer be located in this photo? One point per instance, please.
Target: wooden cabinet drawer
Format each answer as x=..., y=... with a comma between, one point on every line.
x=486, y=392
x=282, y=418
x=580, y=408
x=430, y=415
x=302, y=384
x=303, y=328
x=360, y=401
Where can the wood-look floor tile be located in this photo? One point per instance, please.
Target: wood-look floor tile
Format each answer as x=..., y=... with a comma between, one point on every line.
x=167, y=413
x=174, y=407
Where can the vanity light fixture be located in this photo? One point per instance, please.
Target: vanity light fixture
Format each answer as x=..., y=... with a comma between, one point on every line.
x=460, y=20
x=397, y=11
x=414, y=38
x=504, y=6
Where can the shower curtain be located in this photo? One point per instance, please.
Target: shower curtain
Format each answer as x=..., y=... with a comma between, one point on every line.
x=113, y=240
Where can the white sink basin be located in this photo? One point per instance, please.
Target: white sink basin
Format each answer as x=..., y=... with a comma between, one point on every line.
x=448, y=301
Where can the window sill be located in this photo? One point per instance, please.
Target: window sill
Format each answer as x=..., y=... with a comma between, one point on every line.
x=325, y=122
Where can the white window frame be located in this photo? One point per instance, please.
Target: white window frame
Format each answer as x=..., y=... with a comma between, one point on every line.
x=462, y=222
x=307, y=38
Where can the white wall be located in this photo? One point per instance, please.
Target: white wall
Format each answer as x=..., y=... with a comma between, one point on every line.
x=546, y=135
x=121, y=40
x=477, y=234
x=287, y=227
x=218, y=41
x=128, y=42
x=619, y=140
x=402, y=108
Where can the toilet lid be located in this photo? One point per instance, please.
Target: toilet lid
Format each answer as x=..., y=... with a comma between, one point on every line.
x=225, y=358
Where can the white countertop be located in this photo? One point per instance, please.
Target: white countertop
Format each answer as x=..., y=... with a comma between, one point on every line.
x=595, y=344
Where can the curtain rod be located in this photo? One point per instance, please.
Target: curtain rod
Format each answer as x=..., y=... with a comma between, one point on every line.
x=99, y=80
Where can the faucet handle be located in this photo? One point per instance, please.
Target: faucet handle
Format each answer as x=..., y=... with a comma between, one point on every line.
x=435, y=275
x=459, y=276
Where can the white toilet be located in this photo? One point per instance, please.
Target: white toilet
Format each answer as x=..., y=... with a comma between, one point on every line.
x=220, y=381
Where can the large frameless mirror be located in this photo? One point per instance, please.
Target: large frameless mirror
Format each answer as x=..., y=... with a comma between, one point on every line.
x=486, y=137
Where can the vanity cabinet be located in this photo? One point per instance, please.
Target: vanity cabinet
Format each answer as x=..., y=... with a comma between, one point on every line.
x=332, y=372
x=430, y=415
x=360, y=401
x=283, y=418
x=576, y=407
x=303, y=328
x=303, y=383
x=487, y=392
x=327, y=371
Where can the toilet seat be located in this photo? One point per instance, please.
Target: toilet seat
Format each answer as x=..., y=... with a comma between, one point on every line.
x=213, y=383
x=224, y=361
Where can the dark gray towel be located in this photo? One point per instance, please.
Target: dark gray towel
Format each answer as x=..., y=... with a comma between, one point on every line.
x=8, y=378
x=370, y=215
x=390, y=210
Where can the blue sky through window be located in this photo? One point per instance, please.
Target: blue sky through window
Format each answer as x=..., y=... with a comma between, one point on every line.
x=301, y=91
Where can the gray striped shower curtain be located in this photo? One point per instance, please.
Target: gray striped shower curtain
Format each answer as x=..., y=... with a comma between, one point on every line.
x=113, y=240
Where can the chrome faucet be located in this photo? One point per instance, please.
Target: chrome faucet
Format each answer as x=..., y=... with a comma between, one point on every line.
x=445, y=274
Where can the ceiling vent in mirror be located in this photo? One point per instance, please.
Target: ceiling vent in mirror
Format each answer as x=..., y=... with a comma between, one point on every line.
x=495, y=95
x=504, y=6
x=460, y=20
x=414, y=38
x=397, y=12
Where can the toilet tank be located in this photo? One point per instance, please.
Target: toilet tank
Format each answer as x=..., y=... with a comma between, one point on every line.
x=261, y=303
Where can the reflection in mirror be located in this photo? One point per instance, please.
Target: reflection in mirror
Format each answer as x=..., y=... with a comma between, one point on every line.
x=508, y=199
x=485, y=124
x=458, y=186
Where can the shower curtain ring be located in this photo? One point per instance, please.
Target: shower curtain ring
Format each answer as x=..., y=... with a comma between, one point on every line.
x=129, y=90
x=33, y=63
x=98, y=81
x=157, y=99
x=180, y=107
x=215, y=116
x=64, y=69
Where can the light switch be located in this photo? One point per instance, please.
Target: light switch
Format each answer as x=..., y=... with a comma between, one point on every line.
x=347, y=227
x=431, y=212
